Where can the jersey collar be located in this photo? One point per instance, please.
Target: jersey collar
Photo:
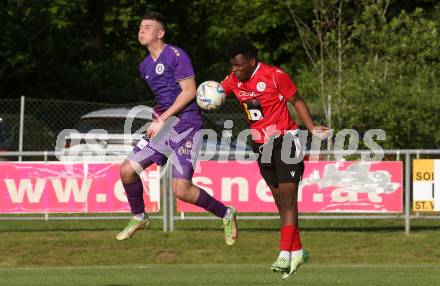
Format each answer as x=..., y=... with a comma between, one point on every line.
x=159, y=54
x=255, y=71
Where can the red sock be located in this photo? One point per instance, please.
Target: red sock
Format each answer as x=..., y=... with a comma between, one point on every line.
x=296, y=242
x=286, y=240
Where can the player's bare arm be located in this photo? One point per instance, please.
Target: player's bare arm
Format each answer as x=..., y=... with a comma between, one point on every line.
x=188, y=93
x=303, y=112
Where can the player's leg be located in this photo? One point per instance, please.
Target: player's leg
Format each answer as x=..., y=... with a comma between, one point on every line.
x=187, y=192
x=286, y=196
x=282, y=264
x=140, y=158
x=134, y=190
x=298, y=255
x=289, y=176
x=184, y=190
x=268, y=172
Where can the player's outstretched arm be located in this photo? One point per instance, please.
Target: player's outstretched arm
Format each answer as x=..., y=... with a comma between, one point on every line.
x=303, y=112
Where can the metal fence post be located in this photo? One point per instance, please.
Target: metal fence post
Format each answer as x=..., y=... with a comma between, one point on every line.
x=163, y=184
x=407, y=191
x=171, y=196
x=20, y=139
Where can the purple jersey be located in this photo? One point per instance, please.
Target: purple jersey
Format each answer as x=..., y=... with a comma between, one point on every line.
x=162, y=77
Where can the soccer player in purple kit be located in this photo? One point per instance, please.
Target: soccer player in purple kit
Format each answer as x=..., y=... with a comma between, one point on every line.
x=168, y=72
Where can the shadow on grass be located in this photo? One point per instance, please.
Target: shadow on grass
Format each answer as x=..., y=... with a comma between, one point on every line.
x=67, y=230
x=321, y=229
x=189, y=226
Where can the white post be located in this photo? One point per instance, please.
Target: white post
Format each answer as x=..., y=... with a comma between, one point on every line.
x=163, y=188
x=20, y=140
x=170, y=195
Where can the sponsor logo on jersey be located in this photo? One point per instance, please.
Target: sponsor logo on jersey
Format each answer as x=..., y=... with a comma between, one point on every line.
x=248, y=93
x=183, y=150
x=160, y=68
x=261, y=86
x=253, y=110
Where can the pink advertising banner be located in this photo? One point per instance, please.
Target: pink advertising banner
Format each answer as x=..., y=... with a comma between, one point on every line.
x=335, y=187
x=70, y=187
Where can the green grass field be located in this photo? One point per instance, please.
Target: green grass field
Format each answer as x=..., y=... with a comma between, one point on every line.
x=343, y=253
x=218, y=274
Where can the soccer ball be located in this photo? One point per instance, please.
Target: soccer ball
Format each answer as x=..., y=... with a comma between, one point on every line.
x=210, y=95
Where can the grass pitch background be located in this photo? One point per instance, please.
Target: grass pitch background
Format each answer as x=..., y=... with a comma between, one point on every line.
x=343, y=253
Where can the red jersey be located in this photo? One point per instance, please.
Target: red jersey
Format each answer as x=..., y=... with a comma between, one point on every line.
x=263, y=99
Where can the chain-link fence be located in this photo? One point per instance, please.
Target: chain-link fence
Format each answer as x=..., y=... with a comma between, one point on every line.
x=45, y=119
x=9, y=124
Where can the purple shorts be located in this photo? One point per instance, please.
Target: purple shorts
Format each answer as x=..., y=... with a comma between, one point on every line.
x=176, y=142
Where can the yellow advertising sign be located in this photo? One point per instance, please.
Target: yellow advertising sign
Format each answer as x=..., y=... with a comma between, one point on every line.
x=426, y=191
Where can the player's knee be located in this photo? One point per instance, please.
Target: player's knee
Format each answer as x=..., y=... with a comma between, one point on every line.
x=128, y=174
x=180, y=190
x=179, y=194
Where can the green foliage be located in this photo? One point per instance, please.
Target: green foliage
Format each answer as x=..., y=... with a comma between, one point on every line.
x=395, y=85
x=389, y=74
x=372, y=63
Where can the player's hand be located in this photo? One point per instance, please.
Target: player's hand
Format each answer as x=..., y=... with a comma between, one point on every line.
x=320, y=131
x=154, y=128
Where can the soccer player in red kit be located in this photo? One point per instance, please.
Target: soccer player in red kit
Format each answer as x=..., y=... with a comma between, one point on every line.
x=263, y=92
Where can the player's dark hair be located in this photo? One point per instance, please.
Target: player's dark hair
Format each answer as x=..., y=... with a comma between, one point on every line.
x=156, y=16
x=243, y=47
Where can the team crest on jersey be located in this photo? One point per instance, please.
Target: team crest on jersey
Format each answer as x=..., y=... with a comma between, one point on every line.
x=160, y=68
x=261, y=86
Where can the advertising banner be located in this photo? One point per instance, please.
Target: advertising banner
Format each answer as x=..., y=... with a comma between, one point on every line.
x=40, y=187
x=335, y=187
x=426, y=185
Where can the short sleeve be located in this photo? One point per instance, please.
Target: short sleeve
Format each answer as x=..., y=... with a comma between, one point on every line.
x=227, y=85
x=183, y=68
x=285, y=84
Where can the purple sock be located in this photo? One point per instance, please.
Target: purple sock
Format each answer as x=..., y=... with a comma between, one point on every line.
x=210, y=204
x=134, y=193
